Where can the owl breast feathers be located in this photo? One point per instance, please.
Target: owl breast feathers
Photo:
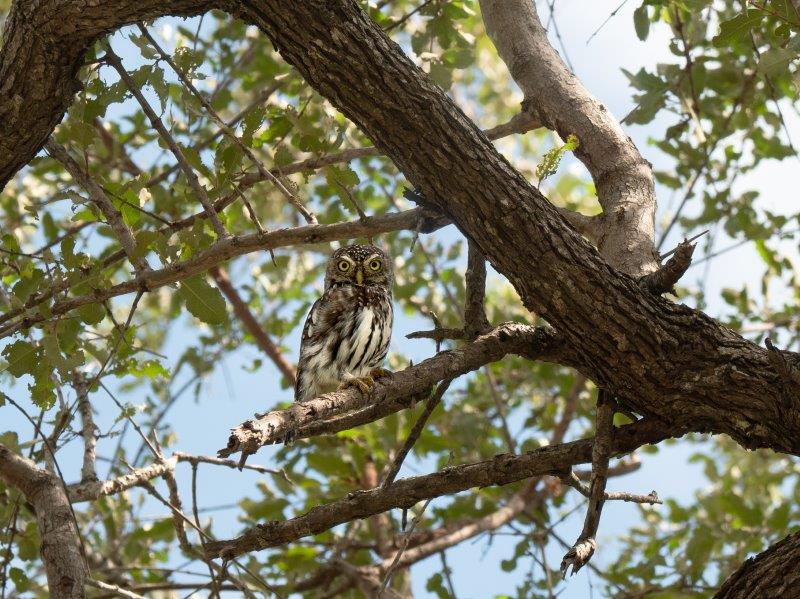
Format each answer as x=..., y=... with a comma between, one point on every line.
x=347, y=331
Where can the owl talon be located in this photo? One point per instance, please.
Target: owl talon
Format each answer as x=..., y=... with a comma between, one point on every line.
x=379, y=373
x=364, y=383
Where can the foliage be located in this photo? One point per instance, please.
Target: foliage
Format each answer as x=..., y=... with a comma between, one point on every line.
x=733, y=74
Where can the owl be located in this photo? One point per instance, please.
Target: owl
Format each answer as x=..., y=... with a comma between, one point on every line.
x=346, y=334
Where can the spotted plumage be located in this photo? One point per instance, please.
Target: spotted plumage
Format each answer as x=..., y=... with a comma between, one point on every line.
x=347, y=331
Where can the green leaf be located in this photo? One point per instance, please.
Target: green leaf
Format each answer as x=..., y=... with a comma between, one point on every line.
x=775, y=61
x=738, y=28
x=204, y=301
x=20, y=579
x=641, y=22
x=22, y=358
x=550, y=161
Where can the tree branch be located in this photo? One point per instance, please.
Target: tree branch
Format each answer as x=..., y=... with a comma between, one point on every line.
x=633, y=343
x=228, y=132
x=623, y=179
x=404, y=493
x=583, y=549
x=475, y=321
x=667, y=275
x=248, y=319
x=389, y=395
x=88, y=471
x=222, y=251
x=98, y=196
x=61, y=550
x=166, y=137
x=771, y=573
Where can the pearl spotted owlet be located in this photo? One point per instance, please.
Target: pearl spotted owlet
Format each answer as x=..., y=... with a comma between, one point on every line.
x=346, y=334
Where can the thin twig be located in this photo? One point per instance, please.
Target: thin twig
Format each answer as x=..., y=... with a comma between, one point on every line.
x=155, y=121
x=416, y=431
x=307, y=215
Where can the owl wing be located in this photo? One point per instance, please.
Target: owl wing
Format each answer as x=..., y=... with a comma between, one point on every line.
x=318, y=330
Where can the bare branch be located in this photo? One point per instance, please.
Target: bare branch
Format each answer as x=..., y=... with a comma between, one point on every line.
x=389, y=395
x=94, y=489
x=416, y=431
x=663, y=279
x=574, y=481
x=583, y=549
x=98, y=196
x=88, y=471
x=113, y=588
x=475, y=321
x=405, y=493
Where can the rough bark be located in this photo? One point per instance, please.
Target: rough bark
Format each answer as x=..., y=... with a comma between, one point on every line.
x=623, y=178
x=44, y=42
x=345, y=409
x=61, y=550
x=660, y=359
x=405, y=493
x=772, y=573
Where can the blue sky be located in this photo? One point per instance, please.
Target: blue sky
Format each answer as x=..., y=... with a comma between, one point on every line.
x=232, y=394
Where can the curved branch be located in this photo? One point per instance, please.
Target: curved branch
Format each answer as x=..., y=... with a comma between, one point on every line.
x=44, y=43
x=624, y=180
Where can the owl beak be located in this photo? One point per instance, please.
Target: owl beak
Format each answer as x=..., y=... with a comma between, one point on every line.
x=360, y=276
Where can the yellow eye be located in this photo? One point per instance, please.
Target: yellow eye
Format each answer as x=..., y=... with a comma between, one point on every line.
x=375, y=265
x=344, y=265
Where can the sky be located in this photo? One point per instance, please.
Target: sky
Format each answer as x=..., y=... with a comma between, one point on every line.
x=231, y=395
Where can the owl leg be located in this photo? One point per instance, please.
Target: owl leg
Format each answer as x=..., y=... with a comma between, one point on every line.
x=364, y=383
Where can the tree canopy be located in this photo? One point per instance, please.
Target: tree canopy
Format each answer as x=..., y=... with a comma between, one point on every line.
x=174, y=175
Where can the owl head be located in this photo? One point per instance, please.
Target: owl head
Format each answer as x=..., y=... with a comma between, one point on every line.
x=359, y=265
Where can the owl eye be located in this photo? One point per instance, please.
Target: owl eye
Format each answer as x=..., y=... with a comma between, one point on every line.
x=343, y=265
x=374, y=265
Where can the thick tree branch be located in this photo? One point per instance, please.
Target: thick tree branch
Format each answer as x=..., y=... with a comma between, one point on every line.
x=658, y=358
x=44, y=44
x=61, y=549
x=772, y=573
x=323, y=415
x=623, y=179
x=404, y=493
